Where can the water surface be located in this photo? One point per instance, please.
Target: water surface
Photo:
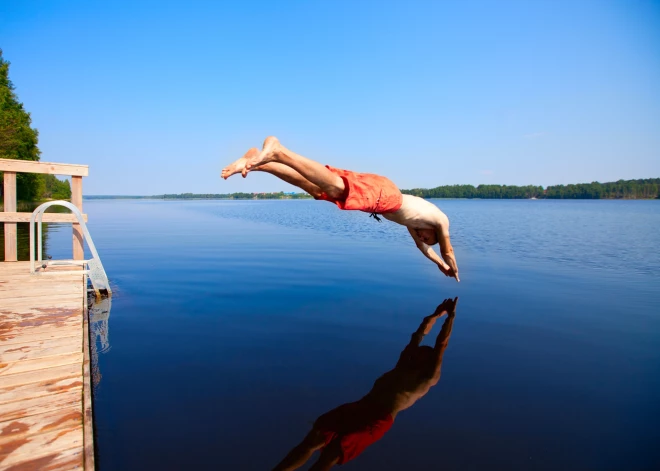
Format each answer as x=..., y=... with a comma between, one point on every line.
x=235, y=324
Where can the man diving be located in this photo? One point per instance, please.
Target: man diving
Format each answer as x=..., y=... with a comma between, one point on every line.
x=356, y=191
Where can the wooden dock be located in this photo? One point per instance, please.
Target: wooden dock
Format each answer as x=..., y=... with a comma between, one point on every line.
x=45, y=383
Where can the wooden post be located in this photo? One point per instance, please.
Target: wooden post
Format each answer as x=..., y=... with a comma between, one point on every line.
x=76, y=200
x=10, y=207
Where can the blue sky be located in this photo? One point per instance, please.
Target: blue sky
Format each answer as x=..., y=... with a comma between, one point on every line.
x=158, y=96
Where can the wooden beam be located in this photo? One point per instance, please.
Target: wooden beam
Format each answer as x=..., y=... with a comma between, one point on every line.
x=30, y=166
x=88, y=416
x=76, y=199
x=10, y=206
x=47, y=217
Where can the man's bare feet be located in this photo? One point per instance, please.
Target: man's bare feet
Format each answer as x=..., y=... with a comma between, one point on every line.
x=239, y=165
x=267, y=154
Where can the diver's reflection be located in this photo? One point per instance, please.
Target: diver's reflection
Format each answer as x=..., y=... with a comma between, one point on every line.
x=345, y=432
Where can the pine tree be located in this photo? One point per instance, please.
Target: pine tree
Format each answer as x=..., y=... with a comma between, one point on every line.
x=18, y=140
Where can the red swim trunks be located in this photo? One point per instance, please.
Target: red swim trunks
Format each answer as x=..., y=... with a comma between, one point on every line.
x=356, y=425
x=366, y=192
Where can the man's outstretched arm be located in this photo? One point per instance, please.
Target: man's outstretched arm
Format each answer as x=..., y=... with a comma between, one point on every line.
x=417, y=336
x=431, y=254
x=446, y=250
x=448, y=307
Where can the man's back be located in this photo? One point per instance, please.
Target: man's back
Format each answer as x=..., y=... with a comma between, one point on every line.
x=417, y=213
x=401, y=387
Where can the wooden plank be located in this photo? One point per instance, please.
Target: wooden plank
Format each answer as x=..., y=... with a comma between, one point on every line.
x=10, y=290
x=41, y=299
x=12, y=267
x=42, y=332
x=43, y=444
x=47, y=217
x=30, y=166
x=35, y=376
x=32, y=284
x=10, y=319
x=88, y=421
x=67, y=417
x=21, y=274
x=10, y=206
x=43, y=388
x=24, y=271
x=40, y=295
x=16, y=319
x=39, y=405
x=40, y=349
x=64, y=460
x=76, y=200
x=17, y=306
x=39, y=364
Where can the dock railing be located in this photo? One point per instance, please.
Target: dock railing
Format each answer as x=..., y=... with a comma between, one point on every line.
x=10, y=217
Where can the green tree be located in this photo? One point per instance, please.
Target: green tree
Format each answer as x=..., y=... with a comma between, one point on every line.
x=56, y=189
x=18, y=140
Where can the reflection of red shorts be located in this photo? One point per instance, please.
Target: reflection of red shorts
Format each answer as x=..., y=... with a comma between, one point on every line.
x=356, y=425
x=366, y=192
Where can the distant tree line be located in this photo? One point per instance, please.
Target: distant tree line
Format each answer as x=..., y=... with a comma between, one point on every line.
x=623, y=189
x=18, y=140
x=237, y=196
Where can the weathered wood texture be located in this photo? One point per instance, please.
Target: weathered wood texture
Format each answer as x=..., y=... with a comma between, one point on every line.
x=76, y=200
x=45, y=388
x=47, y=217
x=29, y=166
x=10, y=206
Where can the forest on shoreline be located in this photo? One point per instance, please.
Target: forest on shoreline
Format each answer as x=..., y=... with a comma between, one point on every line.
x=648, y=188
x=623, y=189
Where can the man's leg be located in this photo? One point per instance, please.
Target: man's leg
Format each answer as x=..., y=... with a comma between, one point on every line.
x=289, y=175
x=301, y=453
x=283, y=172
x=316, y=173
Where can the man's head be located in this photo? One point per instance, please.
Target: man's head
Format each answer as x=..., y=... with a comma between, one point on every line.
x=428, y=236
x=420, y=356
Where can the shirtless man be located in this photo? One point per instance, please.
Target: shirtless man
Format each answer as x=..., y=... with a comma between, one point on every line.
x=345, y=432
x=356, y=191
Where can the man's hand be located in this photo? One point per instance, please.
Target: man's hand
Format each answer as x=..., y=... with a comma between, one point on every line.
x=449, y=268
x=448, y=306
x=428, y=323
x=446, y=269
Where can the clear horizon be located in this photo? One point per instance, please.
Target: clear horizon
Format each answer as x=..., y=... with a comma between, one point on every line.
x=158, y=97
x=298, y=190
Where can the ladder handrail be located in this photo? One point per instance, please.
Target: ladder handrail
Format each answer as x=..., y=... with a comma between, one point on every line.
x=37, y=216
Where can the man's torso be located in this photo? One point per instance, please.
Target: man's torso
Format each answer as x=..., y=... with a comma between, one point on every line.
x=416, y=213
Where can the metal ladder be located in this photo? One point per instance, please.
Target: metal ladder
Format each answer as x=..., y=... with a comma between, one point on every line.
x=94, y=269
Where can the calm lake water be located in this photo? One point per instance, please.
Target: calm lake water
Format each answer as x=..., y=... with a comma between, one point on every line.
x=235, y=324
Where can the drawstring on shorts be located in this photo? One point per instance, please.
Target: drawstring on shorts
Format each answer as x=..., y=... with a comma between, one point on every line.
x=375, y=214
